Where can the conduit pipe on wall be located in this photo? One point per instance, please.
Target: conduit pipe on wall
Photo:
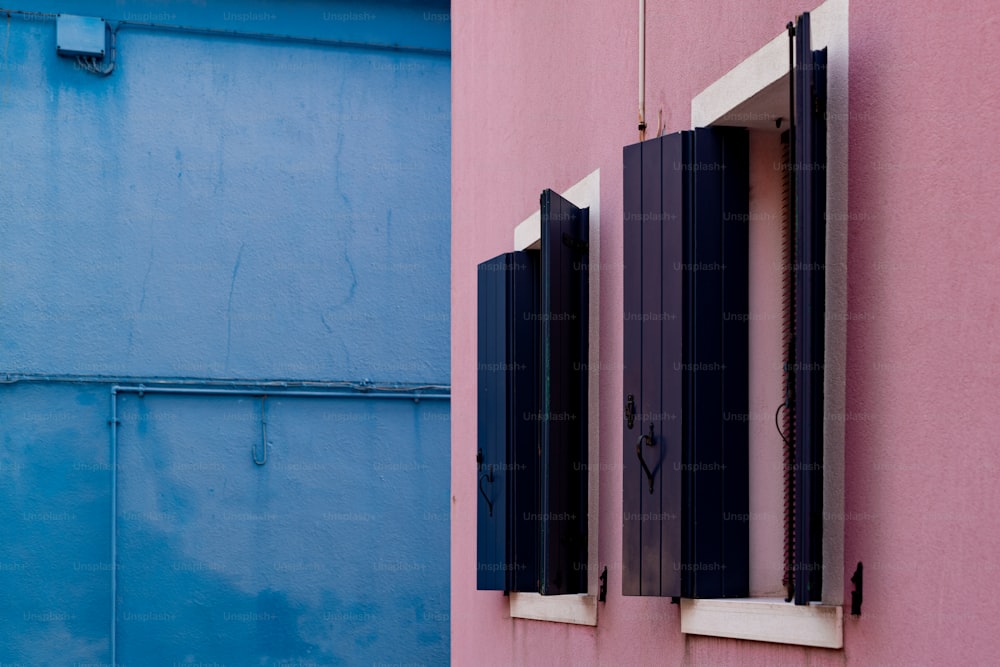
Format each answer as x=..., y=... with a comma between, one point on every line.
x=270, y=386
x=415, y=395
x=642, y=70
x=264, y=36
x=271, y=37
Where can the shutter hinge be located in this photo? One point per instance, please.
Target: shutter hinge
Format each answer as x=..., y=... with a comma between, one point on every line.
x=858, y=581
x=630, y=411
x=818, y=105
x=602, y=595
x=576, y=244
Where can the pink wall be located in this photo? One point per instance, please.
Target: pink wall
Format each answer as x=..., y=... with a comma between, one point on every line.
x=545, y=92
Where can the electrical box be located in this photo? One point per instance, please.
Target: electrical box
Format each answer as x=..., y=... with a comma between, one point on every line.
x=81, y=36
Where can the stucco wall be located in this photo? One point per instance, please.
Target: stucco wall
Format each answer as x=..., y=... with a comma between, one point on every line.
x=546, y=92
x=224, y=208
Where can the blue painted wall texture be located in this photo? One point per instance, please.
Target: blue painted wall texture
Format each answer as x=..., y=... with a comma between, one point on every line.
x=226, y=211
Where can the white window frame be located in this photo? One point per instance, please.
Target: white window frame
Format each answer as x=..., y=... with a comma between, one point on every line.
x=744, y=96
x=579, y=609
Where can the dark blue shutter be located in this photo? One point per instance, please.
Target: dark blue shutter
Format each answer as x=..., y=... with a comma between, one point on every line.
x=716, y=486
x=654, y=180
x=685, y=365
x=507, y=460
x=563, y=414
x=809, y=165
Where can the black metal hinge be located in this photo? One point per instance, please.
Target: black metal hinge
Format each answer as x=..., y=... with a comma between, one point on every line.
x=630, y=411
x=858, y=581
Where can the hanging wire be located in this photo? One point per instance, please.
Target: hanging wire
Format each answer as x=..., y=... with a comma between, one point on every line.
x=93, y=65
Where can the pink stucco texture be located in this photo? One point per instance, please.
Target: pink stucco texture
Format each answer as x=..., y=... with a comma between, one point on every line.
x=544, y=92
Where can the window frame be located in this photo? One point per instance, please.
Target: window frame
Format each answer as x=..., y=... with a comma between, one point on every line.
x=738, y=95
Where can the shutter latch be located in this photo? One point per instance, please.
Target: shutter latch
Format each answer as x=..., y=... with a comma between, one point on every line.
x=488, y=476
x=630, y=411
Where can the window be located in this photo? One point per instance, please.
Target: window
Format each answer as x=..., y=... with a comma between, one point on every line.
x=688, y=519
x=536, y=521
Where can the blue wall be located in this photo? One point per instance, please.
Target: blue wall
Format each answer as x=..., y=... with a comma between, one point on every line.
x=240, y=211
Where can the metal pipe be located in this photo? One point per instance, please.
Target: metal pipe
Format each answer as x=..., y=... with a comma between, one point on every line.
x=365, y=386
x=23, y=12
x=295, y=39
x=260, y=392
x=414, y=395
x=263, y=36
x=642, y=69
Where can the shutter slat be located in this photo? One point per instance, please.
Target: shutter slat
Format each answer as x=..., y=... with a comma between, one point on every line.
x=652, y=370
x=633, y=478
x=676, y=155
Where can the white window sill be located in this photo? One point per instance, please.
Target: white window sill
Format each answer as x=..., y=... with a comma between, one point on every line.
x=577, y=609
x=765, y=620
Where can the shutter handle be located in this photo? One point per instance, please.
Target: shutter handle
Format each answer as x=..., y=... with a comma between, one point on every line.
x=638, y=450
x=488, y=476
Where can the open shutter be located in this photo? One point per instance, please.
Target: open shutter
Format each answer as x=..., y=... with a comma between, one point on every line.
x=654, y=199
x=507, y=460
x=809, y=165
x=716, y=486
x=685, y=365
x=563, y=414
